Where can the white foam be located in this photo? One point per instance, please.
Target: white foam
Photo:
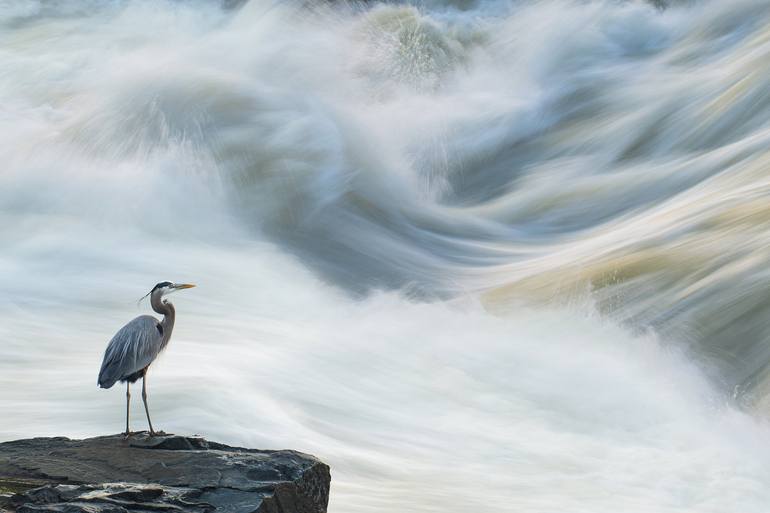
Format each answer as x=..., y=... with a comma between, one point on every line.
x=292, y=162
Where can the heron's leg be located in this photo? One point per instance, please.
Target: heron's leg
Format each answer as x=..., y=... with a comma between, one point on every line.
x=144, y=398
x=128, y=401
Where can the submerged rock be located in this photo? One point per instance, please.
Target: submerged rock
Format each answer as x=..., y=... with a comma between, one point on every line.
x=113, y=474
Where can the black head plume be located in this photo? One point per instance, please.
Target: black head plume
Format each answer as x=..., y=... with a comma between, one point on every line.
x=156, y=287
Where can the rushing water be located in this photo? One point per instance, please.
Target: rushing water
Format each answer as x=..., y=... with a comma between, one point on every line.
x=486, y=256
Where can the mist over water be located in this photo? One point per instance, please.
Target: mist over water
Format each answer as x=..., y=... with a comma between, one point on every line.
x=475, y=255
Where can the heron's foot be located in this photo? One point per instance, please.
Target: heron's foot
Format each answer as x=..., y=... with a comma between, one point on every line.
x=127, y=434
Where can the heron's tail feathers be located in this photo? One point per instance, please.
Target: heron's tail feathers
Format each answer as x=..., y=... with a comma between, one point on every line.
x=106, y=384
x=107, y=377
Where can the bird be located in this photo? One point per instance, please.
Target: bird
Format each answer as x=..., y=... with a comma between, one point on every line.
x=137, y=344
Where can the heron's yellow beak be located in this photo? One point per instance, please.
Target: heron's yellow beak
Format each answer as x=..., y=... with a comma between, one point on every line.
x=184, y=286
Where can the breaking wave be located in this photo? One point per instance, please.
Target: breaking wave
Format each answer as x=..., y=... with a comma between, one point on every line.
x=476, y=255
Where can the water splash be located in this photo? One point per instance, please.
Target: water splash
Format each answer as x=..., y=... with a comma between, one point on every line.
x=514, y=249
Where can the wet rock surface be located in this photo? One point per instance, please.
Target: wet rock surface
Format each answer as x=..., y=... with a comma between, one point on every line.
x=113, y=474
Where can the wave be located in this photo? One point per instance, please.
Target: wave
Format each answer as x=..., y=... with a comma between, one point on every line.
x=461, y=176
x=440, y=150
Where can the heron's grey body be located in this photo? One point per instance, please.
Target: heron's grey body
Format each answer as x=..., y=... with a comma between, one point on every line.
x=138, y=344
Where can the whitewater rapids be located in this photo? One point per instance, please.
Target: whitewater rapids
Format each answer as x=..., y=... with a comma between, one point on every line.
x=490, y=256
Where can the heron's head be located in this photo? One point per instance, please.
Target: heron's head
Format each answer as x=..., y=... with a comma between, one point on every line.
x=166, y=287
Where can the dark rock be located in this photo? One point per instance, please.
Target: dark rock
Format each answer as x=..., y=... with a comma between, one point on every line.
x=164, y=473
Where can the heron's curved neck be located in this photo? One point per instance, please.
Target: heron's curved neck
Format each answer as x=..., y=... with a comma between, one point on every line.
x=169, y=315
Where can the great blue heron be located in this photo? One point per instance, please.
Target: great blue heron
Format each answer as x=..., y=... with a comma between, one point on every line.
x=138, y=343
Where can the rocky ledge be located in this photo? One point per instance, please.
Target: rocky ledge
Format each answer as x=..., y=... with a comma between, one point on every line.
x=165, y=473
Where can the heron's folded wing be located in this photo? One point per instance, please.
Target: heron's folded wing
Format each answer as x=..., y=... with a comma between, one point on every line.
x=132, y=349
